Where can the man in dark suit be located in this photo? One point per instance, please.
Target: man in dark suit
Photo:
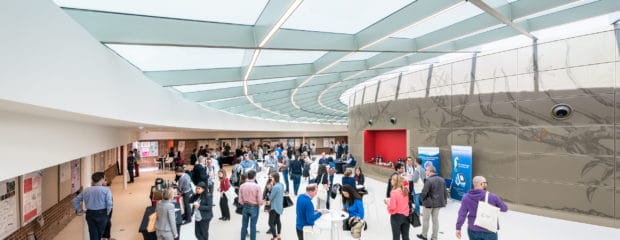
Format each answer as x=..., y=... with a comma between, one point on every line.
x=131, y=160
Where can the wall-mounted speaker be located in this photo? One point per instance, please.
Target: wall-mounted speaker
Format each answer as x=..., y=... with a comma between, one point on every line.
x=393, y=120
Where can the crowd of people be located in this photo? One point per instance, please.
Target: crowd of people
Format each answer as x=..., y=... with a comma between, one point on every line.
x=411, y=189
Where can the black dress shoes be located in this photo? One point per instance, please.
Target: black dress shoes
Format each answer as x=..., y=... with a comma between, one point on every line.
x=420, y=236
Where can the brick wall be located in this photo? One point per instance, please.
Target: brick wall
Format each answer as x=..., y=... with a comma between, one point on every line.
x=56, y=218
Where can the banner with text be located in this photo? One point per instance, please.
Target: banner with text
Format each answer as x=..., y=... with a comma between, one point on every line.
x=429, y=156
x=461, y=171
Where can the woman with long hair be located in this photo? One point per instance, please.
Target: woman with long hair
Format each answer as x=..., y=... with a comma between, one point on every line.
x=398, y=207
x=322, y=178
x=359, y=176
x=276, y=200
x=352, y=203
x=224, y=186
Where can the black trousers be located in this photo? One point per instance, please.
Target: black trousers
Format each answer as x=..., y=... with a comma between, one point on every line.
x=224, y=206
x=400, y=226
x=274, y=222
x=300, y=234
x=202, y=229
x=187, y=215
x=96, y=220
x=130, y=170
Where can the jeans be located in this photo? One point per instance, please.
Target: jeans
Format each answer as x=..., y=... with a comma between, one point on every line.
x=249, y=213
x=475, y=235
x=96, y=220
x=274, y=223
x=428, y=212
x=400, y=226
x=285, y=176
x=416, y=200
x=296, y=181
x=108, y=226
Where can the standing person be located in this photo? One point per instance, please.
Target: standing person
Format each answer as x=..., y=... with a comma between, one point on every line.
x=250, y=197
x=131, y=161
x=193, y=158
x=323, y=160
x=276, y=200
x=138, y=160
x=224, y=186
x=296, y=169
x=199, y=173
x=434, y=196
x=398, y=170
x=98, y=202
x=203, y=204
x=398, y=207
x=165, y=225
x=359, y=176
x=272, y=162
x=185, y=188
x=352, y=204
x=313, y=150
x=306, y=215
x=286, y=162
x=323, y=180
x=419, y=176
x=469, y=208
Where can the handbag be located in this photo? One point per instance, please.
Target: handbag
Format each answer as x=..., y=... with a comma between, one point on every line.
x=487, y=215
x=418, y=185
x=150, y=226
x=230, y=194
x=322, y=192
x=414, y=218
x=287, y=202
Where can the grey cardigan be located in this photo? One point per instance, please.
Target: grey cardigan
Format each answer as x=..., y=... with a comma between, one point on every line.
x=166, y=218
x=276, y=197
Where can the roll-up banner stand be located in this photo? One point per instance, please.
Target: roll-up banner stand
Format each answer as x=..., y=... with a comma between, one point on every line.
x=461, y=171
x=429, y=156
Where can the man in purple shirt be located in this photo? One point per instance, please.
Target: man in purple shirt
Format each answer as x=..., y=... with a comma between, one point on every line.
x=469, y=207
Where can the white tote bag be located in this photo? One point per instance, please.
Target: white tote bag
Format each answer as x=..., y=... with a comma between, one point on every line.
x=230, y=194
x=487, y=215
x=322, y=191
x=418, y=185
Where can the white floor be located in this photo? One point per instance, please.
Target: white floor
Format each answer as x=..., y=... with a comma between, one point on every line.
x=514, y=225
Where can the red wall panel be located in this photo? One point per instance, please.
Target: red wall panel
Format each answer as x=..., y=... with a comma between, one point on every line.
x=390, y=144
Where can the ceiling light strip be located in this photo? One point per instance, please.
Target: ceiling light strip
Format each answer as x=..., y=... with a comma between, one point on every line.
x=413, y=24
x=280, y=22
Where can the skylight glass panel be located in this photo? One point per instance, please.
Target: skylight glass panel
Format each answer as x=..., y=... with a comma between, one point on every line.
x=587, y=26
x=271, y=80
x=230, y=11
x=280, y=57
x=161, y=58
x=359, y=56
x=343, y=16
x=204, y=87
x=450, y=17
x=556, y=9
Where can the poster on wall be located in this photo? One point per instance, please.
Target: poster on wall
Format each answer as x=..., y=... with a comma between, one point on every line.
x=181, y=146
x=461, y=171
x=430, y=156
x=31, y=196
x=65, y=171
x=75, y=175
x=8, y=207
x=327, y=142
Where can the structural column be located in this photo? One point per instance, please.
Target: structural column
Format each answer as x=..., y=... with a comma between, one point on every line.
x=86, y=165
x=124, y=152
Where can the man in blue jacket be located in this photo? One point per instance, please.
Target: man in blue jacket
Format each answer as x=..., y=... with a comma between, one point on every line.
x=469, y=208
x=306, y=215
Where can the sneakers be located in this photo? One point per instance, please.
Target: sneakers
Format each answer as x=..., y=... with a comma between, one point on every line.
x=420, y=236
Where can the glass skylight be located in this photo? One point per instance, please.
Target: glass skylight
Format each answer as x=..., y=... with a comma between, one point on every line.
x=224, y=85
x=161, y=58
x=278, y=57
x=342, y=16
x=230, y=11
x=359, y=56
x=452, y=16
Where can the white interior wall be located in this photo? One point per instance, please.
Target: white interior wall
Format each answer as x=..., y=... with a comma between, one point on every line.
x=51, y=61
x=31, y=142
x=163, y=135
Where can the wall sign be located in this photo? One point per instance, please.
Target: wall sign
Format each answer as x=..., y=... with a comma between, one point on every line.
x=430, y=156
x=8, y=207
x=31, y=196
x=461, y=171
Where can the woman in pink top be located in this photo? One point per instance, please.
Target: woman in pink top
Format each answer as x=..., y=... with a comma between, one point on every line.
x=398, y=207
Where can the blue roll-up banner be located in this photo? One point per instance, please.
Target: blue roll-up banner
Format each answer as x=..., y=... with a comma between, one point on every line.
x=461, y=171
x=429, y=155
